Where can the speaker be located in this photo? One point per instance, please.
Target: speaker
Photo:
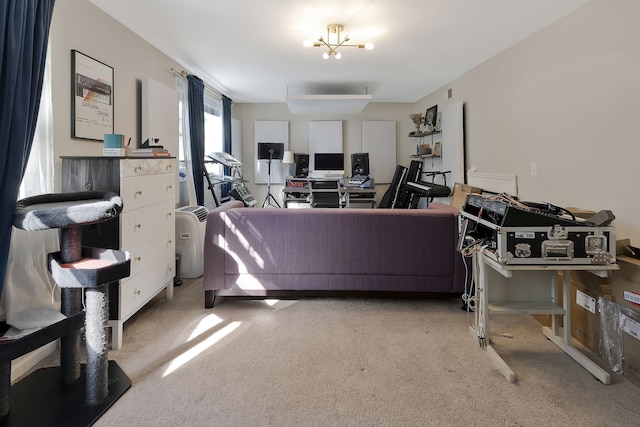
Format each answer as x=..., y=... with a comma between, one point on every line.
x=302, y=164
x=359, y=164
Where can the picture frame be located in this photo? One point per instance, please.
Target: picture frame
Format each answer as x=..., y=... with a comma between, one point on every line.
x=437, y=149
x=438, y=126
x=91, y=98
x=430, y=116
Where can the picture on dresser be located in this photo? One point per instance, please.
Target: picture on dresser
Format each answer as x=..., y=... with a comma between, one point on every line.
x=92, y=97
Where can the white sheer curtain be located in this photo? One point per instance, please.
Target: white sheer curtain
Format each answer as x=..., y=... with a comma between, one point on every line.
x=29, y=299
x=185, y=155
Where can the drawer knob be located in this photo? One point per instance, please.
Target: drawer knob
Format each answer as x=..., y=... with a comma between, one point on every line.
x=169, y=166
x=138, y=259
x=169, y=187
x=138, y=226
x=138, y=168
x=137, y=292
x=138, y=193
x=169, y=242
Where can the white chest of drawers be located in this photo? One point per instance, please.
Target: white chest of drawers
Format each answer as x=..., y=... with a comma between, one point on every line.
x=145, y=228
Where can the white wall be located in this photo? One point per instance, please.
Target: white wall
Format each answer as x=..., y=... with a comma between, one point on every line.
x=77, y=24
x=566, y=98
x=299, y=134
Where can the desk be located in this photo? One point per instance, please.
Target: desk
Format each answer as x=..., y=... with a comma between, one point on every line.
x=301, y=192
x=529, y=289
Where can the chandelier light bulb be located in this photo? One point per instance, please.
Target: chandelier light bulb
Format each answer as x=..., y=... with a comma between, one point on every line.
x=336, y=38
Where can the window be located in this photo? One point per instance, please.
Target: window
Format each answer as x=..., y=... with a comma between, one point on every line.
x=38, y=176
x=213, y=134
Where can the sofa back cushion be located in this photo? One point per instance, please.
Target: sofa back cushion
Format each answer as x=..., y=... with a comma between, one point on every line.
x=330, y=241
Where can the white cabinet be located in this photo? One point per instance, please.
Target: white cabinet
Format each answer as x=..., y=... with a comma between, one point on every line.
x=145, y=228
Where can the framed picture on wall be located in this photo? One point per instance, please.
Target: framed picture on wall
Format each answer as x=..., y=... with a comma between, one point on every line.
x=92, y=97
x=430, y=116
x=437, y=149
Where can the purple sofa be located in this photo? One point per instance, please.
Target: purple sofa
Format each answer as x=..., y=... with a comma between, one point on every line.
x=253, y=252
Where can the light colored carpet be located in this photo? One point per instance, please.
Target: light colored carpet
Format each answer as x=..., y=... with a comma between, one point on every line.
x=348, y=362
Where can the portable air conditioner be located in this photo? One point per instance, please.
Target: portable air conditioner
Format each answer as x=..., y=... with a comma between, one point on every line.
x=190, y=227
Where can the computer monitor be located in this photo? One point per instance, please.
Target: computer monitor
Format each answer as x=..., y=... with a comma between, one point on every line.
x=270, y=150
x=329, y=164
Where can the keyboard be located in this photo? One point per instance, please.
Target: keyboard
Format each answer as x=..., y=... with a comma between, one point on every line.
x=429, y=189
x=358, y=179
x=224, y=158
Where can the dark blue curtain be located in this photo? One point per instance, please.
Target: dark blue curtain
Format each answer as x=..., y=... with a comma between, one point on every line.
x=196, y=132
x=24, y=31
x=226, y=128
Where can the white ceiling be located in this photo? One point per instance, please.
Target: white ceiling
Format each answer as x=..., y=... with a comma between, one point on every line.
x=251, y=50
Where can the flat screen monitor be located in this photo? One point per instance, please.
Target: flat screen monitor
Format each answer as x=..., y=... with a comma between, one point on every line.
x=328, y=164
x=270, y=150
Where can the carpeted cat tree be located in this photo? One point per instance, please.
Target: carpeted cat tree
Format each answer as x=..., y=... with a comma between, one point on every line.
x=62, y=395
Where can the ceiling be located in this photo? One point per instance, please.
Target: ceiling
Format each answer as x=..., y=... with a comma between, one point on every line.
x=251, y=50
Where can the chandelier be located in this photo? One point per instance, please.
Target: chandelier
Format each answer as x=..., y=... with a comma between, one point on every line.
x=335, y=39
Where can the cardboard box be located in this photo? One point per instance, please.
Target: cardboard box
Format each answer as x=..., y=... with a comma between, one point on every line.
x=630, y=322
x=586, y=291
x=626, y=283
x=581, y=213
x=460, y=193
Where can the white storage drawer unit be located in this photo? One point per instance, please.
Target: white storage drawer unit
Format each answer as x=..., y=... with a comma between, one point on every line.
x=145, y=228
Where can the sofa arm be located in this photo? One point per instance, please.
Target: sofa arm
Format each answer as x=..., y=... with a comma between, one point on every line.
x=214, y=254
x=443, y=207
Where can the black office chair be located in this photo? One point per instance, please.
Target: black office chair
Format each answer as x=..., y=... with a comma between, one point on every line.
x=390, y=198
x=324, y=197
x=326, y=200
x=408, y=198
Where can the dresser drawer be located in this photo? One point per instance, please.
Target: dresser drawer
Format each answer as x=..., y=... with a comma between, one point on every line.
x=138, y=191
x=141, y=167
x=141, y=224
x=148, y=251
x=135, y=293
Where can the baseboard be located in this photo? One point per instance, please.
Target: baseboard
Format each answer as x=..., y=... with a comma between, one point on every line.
x=23, y=364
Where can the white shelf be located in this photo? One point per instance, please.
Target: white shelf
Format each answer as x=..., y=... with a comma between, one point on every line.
x=525, y=307
x=423, y=156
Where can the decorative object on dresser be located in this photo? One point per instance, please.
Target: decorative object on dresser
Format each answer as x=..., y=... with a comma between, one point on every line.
x=146, y=227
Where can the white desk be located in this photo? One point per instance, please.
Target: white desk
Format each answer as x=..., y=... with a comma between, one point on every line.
x=529, y=289
x=349, y=194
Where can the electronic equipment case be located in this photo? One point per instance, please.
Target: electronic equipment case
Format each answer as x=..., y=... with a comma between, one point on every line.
x=547, y=244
